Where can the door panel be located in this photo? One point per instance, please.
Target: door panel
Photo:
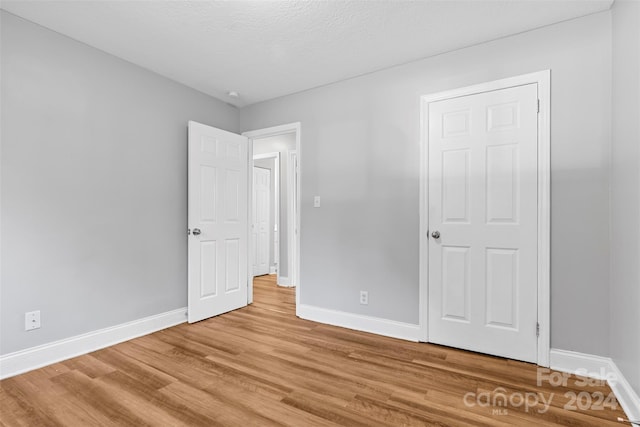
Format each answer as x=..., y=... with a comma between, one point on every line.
x=455, y=186
x=455, y=283
x=502, y=183
x=218, y=220
x=502, y=287
x=232, y=269
x=483, y=202
x=208, y=276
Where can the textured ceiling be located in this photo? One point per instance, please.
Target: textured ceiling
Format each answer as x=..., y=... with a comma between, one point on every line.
x=267, y=49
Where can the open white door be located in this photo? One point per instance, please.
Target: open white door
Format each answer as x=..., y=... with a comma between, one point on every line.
x=218, y=221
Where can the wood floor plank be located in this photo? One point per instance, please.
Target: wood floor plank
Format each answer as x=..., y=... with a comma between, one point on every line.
x=18, y=409
x=406, y=416
x=104, y=404
x=139, y=371
x=141, y=397
x=263, y=366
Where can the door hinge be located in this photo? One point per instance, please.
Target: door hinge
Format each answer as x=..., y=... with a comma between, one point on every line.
x=538, y=106
x=537, y=329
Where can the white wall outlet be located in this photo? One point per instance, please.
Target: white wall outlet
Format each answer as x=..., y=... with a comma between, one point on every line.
x=316, y=202
x=364, y=297
x=32, y=320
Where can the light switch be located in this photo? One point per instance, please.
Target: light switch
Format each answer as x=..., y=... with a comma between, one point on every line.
x=316, y=202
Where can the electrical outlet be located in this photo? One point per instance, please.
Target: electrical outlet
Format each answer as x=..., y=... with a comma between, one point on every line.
x=316, y=202
x=364, y=297
x=32, y=320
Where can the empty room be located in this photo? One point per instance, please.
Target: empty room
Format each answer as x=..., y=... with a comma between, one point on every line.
x=320, y=213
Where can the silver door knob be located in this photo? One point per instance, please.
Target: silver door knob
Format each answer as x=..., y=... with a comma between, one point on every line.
x=196, y=231
x=435, y=234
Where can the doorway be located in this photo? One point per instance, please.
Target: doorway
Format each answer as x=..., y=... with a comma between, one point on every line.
x=220, y=200
x=484, y=218
x=269, y=246
x=263, y=218
x=282, y=145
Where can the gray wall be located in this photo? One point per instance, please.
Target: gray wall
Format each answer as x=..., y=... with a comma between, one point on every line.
x=625, y=192
x=281, y=144
x=94, y=175
x=360, y=152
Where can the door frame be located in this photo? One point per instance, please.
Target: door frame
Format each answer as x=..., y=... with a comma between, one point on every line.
x=292, y=210
x=264, y=133
x=543, y=81
x=275, y=199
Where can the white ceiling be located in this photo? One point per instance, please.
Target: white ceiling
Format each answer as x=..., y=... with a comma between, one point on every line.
x=267, y=49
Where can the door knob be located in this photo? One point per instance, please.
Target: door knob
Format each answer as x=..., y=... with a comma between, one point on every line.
x=196, y=231
x=435, y=234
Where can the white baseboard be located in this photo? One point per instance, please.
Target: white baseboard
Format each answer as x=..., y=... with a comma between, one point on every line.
x=374, y=325
x=586, y=365
x=36, y=357
x=601, y=368
x=284, y=281
x=273, y=269
x=626, y=395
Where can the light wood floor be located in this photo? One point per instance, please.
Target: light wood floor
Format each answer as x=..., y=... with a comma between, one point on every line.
x=262, y=366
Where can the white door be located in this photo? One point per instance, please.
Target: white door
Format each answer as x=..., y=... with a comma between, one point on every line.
x=260, y=228
x=218, y=221
x=483, y=205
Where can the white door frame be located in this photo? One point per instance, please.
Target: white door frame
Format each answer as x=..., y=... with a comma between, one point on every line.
x=263, y=133
x=275, y=199
x=292, y=207
x=543, y=81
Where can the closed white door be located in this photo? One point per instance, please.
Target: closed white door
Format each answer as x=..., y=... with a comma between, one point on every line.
x=260, y=228
x=218, y=221
x=483, y=222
